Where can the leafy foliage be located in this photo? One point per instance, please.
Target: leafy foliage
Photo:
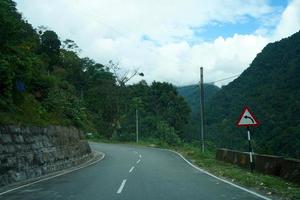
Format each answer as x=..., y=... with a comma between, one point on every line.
x=45, y=78
x=50, y=46
x=162, y=112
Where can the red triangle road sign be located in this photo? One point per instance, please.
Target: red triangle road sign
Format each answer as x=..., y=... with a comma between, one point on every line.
x=247, y=119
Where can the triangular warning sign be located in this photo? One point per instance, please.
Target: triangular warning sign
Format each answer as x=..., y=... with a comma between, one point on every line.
x=247, y=119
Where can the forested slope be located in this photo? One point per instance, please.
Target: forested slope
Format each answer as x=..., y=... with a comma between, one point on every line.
x=43, y=81
x=192, y=95
x=271, y=88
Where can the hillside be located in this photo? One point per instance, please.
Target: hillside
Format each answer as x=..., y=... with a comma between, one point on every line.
x=270, y=87
x=44, y=81
x=191, y=95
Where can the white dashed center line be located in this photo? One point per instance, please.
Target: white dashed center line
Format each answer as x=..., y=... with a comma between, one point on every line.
x=121, y=186
x=131, y=169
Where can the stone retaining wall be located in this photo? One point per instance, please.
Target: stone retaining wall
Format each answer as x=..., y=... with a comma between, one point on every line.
x=29, y=152
x=273, y=165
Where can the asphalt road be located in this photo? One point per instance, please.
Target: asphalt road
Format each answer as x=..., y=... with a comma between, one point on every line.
x=133, y=173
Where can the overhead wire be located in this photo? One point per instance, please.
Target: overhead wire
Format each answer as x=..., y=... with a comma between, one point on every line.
x=223, y=79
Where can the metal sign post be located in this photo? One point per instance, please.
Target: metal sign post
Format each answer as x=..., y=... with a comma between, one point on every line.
x=250, y=150
x=248, y=119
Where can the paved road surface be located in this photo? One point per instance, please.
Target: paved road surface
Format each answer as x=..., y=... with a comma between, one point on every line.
x=133, y=173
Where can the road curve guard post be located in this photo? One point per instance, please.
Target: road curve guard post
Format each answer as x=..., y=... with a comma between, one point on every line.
x=248, y=119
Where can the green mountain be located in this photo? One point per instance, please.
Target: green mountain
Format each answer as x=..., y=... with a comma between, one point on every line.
x=271, y=88
x=191, y=93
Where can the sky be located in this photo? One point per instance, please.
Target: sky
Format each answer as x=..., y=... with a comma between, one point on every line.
x=168, y=40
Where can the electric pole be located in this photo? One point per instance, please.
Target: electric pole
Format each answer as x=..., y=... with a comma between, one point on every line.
x=201, y=86
x=137, y=124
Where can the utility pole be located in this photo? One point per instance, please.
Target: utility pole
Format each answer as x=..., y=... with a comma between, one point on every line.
x=137, y=124
x=201, y=86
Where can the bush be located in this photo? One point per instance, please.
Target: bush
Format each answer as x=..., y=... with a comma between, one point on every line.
x=168, y=134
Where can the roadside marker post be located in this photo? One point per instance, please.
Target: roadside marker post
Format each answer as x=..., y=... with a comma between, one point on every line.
x=248, y=119
x=250, y=150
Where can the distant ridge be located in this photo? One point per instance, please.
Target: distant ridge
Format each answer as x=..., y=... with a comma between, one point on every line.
x=271, y=88
x=191, y=94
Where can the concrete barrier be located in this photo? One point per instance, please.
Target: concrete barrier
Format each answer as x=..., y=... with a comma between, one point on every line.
x=285, y=168
x=290, y=169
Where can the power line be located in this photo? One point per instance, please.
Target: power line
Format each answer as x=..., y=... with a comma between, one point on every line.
x=223, y=79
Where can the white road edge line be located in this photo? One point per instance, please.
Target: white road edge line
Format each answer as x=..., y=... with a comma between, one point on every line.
x=223, y=180
x=137, y=162
x=121, y=186
x=48, y=178
x=131, y=169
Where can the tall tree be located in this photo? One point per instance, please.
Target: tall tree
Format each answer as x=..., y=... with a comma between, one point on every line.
x=50, y=45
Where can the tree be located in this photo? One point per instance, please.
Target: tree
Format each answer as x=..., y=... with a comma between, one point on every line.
x=70, y=45
x=122, y=77
x=50, y=45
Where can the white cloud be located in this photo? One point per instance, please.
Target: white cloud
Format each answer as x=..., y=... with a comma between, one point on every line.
x=290, y=21
x=221, y=58
x=113, y=29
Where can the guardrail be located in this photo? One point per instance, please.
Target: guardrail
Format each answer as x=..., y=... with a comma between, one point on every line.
x=286, y=168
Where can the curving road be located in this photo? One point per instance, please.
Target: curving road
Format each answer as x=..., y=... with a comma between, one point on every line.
x=133, y=173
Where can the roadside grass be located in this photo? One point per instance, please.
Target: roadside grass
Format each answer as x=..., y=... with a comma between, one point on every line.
x=270, y=186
